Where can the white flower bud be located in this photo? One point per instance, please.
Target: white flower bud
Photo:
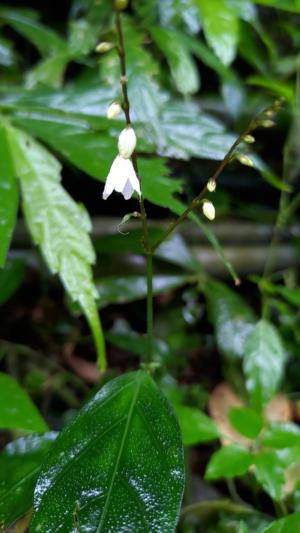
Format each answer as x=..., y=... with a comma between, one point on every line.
x=211, y=185
x=104, y=47
x=208, y=210
x=113, y=110
x=127, y=142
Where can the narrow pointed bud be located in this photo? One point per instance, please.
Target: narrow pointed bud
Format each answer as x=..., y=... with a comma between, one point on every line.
x=245, y=160
x=208, y=210
x=249, y=139
x=113, y=110
x=121, y=4
x=127, y=142
x=104, y=47
x=211, y=185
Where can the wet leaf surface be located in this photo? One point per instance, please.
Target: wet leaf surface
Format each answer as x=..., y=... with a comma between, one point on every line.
x=117, y=467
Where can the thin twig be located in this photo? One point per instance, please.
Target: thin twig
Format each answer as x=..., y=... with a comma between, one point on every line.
x=197, y=200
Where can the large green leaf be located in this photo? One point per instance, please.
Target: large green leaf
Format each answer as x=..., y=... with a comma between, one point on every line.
x=58, y=225
x=183, y=68
x=9, y=198
x=20, y=463
x=263, y=363
x=228, y=462
x=16, y=409
x=220, y=27
x=117, y=467
x=231, y=317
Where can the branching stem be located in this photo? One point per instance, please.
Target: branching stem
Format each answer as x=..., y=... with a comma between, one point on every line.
x=197, y=200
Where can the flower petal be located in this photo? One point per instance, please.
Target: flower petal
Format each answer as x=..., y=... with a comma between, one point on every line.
x=128, y=190
x=135, y=182
x=114, y=178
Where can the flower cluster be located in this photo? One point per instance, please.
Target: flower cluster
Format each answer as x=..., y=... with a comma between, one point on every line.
x=122, y=176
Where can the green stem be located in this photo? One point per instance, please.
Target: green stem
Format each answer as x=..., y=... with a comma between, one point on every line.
x=146, y=241
x=150, y=337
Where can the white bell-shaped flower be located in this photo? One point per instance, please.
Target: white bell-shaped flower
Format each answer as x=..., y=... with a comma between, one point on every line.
x=121, y=178
x=127, y=142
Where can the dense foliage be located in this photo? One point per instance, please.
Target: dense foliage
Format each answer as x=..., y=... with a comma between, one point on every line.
x=196, y=430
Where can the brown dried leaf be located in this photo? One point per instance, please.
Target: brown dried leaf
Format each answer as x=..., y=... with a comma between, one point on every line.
x=222, y=399
x=86, y=370
x=279, y=409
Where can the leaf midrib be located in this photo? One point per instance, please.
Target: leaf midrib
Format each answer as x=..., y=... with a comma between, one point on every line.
x=115, y=471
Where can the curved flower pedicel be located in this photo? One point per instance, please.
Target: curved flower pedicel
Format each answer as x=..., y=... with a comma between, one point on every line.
x=122, y=176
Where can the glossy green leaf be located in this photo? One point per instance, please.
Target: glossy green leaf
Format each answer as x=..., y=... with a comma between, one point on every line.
x=46, y=40
x=263, y=363
x=195, y=426
x=118, y=466
x=221, y=27
x=282, y=435
x=182, y=66
x=190, y=132
x=231, y=317
x=246, y=421
x=20, y=463
x=11, y=278
x=228, y=462
x=288, y=524
x=9, y=198
x=16, y=409
x=269, y=473
x=123, y=289
x=58, y=225
x=73, y=137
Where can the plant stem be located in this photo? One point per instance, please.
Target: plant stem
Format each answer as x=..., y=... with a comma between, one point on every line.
x=254, y=123
x=150, y=307
x=146, y=241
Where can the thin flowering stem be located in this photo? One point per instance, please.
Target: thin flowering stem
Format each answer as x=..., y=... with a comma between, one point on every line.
x=146, y=240
x=254, y=123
